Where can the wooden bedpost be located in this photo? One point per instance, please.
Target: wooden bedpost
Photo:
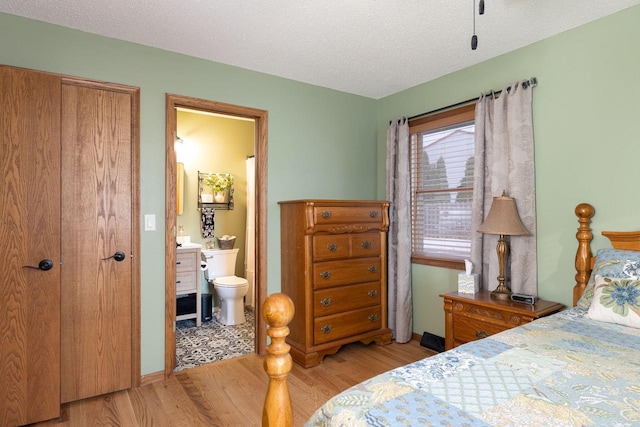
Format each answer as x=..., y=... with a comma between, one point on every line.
x=277, y=311
x=584, y=212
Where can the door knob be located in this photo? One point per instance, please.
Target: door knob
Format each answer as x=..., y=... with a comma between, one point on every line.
x=44, y=265
x=118, y=256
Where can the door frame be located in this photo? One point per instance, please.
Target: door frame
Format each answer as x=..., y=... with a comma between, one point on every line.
x=260, y=117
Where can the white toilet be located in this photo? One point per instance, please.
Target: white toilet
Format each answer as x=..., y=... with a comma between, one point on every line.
x=220, y=270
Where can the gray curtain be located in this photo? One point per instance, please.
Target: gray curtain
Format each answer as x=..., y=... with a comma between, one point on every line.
x=400, y=300
x=504, y=160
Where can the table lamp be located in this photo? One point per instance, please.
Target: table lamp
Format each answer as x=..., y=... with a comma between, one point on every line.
x=503, y=220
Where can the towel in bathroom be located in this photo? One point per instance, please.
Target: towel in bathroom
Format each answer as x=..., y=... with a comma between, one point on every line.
x=206, y=221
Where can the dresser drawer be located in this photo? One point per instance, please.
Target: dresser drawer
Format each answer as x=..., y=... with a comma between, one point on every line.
x=342, y=214
x=334, y=273
x=187, y=261
x=365, y=245
x=185, y=282
x=332, y=246
x=336, y=326
x=497, y=316
x=345, y=298
x=465, y=330
x=341, y=246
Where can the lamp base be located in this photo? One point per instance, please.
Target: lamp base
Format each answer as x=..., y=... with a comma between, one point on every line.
x=501, y=294
x=502, y=291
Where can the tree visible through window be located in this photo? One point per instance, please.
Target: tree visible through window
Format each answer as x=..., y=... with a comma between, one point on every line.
x=442, y=154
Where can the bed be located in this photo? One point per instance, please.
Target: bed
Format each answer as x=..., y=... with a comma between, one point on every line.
x=577, y=367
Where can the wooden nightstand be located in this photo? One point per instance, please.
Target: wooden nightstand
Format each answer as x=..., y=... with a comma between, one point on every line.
x=471, y=317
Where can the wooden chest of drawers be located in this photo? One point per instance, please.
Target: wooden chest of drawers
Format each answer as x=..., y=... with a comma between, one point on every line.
x=334, y=268
x=470, y=317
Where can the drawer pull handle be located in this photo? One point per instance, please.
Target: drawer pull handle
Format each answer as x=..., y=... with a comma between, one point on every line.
x=373, y=293
x=366, y=245
x=326, y=302
x=481, y=334
x=325, y=214
x=325, y=274
x=178, y=262
x=326, y=329
x=373, y=214
x=332, y=247
x=373, y=317
x=373, y=269
x=178, y=281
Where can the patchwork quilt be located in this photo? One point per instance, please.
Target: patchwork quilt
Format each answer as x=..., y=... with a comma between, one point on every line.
x=561, y=370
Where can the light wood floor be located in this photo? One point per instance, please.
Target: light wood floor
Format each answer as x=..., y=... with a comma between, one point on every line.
x=231, y=392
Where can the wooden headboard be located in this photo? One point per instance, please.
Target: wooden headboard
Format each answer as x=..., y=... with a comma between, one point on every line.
x=628, y=240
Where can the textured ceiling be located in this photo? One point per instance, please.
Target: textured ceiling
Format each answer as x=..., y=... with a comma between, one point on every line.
x=372, y=48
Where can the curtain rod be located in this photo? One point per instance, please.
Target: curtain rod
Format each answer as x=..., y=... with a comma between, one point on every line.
x=533, y=82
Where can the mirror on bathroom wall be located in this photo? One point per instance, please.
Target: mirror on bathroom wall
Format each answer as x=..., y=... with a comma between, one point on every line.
x=180, y=189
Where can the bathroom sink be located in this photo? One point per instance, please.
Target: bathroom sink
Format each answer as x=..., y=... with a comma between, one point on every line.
x=190, y=246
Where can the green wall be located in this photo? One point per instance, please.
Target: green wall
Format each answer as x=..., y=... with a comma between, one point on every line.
x=327, y=144
x=321, y=142
x=587, y=143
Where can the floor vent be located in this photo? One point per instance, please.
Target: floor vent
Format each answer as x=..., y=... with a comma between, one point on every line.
x=432, y=342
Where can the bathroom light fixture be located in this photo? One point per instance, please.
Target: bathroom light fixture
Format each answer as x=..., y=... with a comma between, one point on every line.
x=180, y=147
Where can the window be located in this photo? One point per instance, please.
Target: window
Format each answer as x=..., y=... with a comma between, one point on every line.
x=442, y=154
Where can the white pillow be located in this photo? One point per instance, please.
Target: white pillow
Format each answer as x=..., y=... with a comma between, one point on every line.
x=616, y=300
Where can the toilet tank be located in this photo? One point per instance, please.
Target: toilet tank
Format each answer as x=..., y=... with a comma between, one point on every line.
x=220, y=262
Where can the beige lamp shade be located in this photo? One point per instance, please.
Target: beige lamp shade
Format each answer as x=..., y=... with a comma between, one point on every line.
x=503, y=218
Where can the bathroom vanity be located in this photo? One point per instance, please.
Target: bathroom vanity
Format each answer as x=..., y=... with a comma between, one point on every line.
x=188, y=280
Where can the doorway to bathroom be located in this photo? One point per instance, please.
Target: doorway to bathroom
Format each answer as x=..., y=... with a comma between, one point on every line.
x=205, y=137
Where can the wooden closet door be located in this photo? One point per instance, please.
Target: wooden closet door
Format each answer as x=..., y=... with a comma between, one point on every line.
x=29, y=234
x=96, y=224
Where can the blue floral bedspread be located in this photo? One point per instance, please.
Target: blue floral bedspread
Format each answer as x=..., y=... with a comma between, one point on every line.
x=561, y=370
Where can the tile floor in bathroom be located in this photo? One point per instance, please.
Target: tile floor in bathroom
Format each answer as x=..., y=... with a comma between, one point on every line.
x=213, y=341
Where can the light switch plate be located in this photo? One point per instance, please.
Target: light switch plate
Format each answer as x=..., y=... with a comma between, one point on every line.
x=149, y=222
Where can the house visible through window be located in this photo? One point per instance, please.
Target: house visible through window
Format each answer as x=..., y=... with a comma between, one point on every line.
x=442, y=154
